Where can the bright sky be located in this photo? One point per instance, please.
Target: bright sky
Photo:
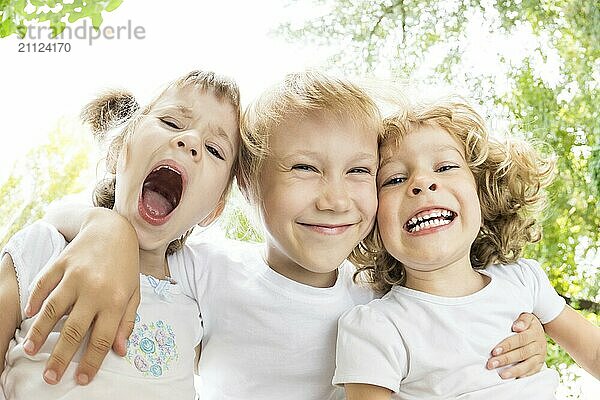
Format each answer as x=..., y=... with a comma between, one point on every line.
x=228, y=37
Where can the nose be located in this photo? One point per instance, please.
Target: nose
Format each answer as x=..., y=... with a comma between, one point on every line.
x=189, y=143
x=334, y=197
x=422, y=183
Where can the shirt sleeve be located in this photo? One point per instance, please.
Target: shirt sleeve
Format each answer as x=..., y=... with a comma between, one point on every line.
x=370, y=350
x=31, y=249
x=547, y=303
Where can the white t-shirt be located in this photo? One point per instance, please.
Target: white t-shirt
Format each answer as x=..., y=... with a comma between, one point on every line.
x=160, y=359
x=266, y=336
x=424, y=346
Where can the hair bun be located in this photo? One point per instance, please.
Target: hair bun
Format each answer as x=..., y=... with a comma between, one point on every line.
x=108, y=111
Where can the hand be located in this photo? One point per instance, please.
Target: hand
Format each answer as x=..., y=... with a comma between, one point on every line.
x=526, y=349
x=96, y=277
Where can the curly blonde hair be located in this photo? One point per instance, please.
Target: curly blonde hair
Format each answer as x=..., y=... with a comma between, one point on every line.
x=510, y=176
x=299, y=95
x=117, y=107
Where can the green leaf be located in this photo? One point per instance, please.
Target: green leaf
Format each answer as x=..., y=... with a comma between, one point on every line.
x=75, y=16
x=21, y=30
x=113, y=5
x=7, y=28
x=97, y=21
x=57, y=28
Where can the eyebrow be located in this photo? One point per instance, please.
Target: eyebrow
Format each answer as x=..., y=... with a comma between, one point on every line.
x=362, y=156
x=446, y=147
x=437, y=149
x=220, y=132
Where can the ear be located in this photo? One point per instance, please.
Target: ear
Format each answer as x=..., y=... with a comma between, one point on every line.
x=210, y=218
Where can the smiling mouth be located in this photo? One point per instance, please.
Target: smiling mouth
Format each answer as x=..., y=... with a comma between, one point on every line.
x=326, y=228
x=161, y=194
x=429, y=219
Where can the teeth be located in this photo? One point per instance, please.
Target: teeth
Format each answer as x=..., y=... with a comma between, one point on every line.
x=429, y=224
x=167, y=167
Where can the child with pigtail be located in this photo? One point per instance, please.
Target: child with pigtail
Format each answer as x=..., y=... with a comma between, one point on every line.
x=169, y=168
x=456, y=208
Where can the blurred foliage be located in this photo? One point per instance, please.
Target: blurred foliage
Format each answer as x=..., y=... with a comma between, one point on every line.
x=533, y=65
x=48, y=172
x=17, y=15
x=238, y=220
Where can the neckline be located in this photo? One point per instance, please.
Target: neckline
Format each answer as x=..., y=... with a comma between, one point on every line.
x=432, y=298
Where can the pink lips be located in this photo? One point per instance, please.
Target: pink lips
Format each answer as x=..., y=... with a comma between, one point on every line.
x=327, y=229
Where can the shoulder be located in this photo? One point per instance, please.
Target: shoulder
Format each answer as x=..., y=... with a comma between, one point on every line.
x=370, y=316
x=524, y=271
x=361, y=293
x=220, y=249
x=36, y=243
x=31, y=249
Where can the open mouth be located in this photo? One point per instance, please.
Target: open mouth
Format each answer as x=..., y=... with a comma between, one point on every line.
x=429, y=219
x=161, y=194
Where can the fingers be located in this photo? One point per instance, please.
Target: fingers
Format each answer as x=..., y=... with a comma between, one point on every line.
x=126, y=325
x=523, y=322
x=46, y=283
x=52, y=311
x=521, y=353
x=525, y=368
x=101, y=338
x=71, y=337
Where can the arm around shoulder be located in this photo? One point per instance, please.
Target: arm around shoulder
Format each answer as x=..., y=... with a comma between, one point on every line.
x=579, y=337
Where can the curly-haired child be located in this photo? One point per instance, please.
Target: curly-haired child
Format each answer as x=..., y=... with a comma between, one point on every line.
x=456, y=208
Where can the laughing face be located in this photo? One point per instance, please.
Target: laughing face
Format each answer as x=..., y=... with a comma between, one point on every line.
x=173, y=170
x=319, y=197
x=429, y=212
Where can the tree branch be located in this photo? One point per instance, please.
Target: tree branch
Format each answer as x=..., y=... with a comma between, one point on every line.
x=387, y=11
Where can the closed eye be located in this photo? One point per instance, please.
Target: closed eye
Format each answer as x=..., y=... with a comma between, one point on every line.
x=359, y=170
x=304, y=167
x=444, y=168
x=171, y=123
x=214, y=151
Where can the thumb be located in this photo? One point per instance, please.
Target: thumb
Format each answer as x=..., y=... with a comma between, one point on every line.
x=523, y=322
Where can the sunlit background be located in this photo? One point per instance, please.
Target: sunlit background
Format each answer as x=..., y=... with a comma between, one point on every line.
x=42, y=93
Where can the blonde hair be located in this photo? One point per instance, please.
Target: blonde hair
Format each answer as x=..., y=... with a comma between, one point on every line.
x=298, y=96
x=510, y=177
x=116, y=107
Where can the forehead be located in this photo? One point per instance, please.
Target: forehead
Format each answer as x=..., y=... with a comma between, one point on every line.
x=422, y=140
x=323, y=127
x=198, y=104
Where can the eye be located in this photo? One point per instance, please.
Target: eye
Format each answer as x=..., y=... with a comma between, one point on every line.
x=359, y=170
x=304, y=167
x=396, y=180
x=171, y=123
x=214, y=151
x=445, y=168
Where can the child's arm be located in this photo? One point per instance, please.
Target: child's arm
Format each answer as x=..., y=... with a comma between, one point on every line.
x=526, y=350
x=97, y=275
x=10, y=312
x=360, y=391
x=579, y=337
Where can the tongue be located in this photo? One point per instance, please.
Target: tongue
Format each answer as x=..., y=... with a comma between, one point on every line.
x=156, y=204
